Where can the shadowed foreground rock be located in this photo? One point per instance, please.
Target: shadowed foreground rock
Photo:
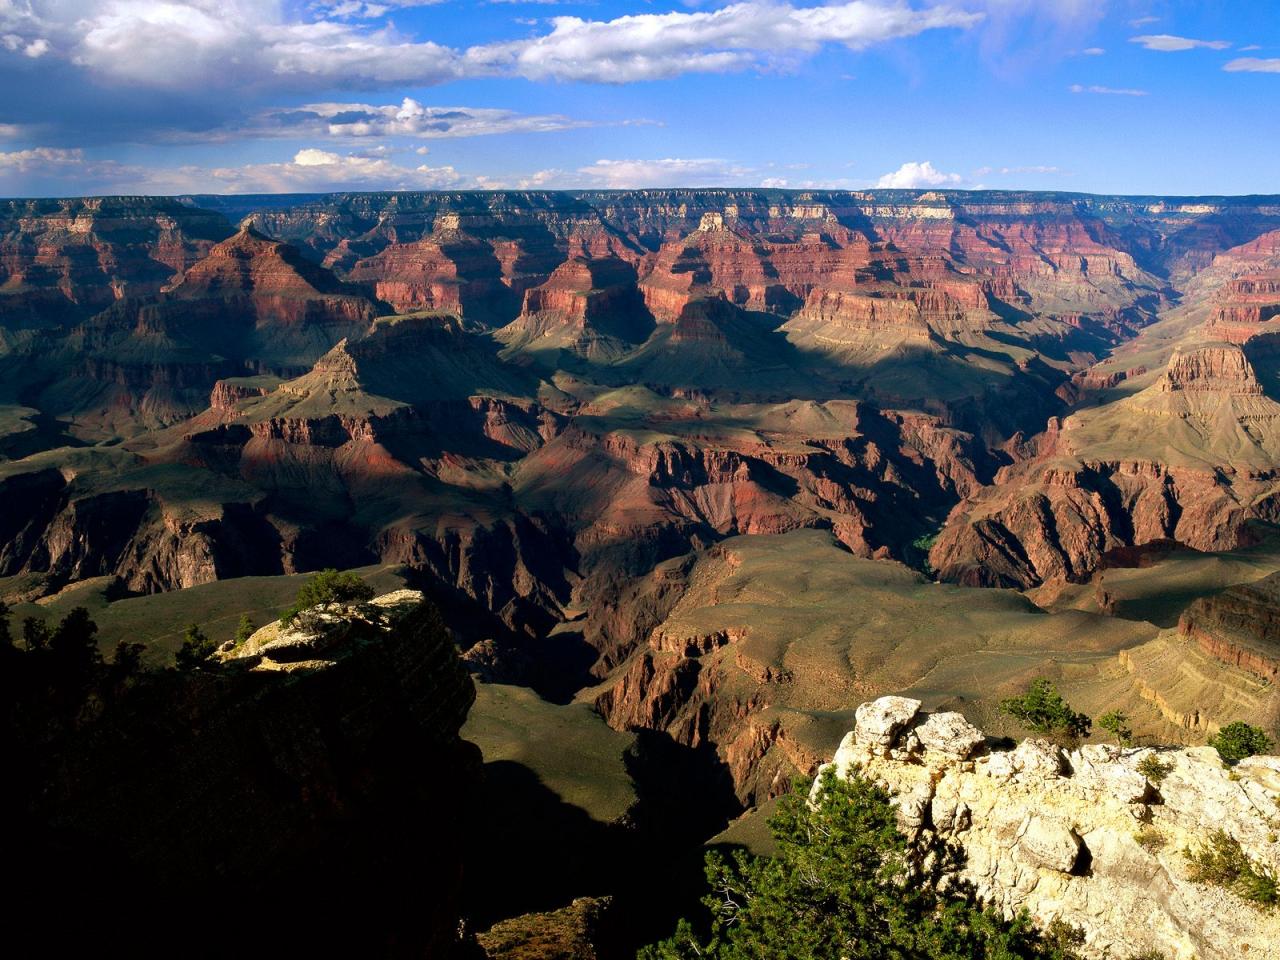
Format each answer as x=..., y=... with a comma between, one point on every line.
x=1083, y=836
x=318, y=805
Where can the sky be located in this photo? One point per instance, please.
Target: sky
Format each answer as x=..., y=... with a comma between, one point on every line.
x=1166, y=97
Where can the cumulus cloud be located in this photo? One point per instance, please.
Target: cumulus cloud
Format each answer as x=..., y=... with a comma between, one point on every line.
x=234, y=43
x=1107, y=91
x=39, y=158
x=913, y=174
x=1253, y=65
x=31, y=48
x=1167, y=43
x=1093, y=51
x=98, y=71
x=735, y=37
x=254, y=44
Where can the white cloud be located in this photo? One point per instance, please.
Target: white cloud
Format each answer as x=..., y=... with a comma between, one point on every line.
x=1143, y=21
x=1252, y=46
x=672, y=172
x=1093, y=51
x=1167, y=43
x=735, y=37
x=358, y=8
x=1253, y=65
x=39, y=159
x=917, y=174
x=320, y=170
x=1005, y=171
x=220, y=44
x=34, y=48
x=409, y=118
x=541, y=178
x=309, y=170
x=255, y=45
x=1108, y=91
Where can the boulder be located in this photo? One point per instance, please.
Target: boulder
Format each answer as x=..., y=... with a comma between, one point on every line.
x=1103, y=768
x=1049, y=843
x=879, y=722
x=1037, y=758
x=950, y=734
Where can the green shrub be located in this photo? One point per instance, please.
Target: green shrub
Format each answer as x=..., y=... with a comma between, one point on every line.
x=1116, y=723
x=195, y=650
x=1042, y=710
x=840, y=886
x=1154, y=769
x=1223, y=862
x=328, y=586
x=1150, y=839
x=1238, y=740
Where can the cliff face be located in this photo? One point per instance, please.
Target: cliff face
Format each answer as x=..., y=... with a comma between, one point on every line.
x=65, y=259
x=1191, y=457
x=1239, y=626
x=1084, y=836
x=337, y=776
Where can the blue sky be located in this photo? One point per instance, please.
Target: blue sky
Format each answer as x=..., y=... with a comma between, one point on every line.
x=175, y=96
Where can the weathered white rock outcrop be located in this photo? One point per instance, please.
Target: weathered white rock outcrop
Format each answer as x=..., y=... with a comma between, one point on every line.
x=1082, y=836
x=308, y=642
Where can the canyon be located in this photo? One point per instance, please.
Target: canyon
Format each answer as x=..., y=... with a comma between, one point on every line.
x=696, y=472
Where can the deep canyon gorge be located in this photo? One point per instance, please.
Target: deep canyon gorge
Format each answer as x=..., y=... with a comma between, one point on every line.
x=689, y=476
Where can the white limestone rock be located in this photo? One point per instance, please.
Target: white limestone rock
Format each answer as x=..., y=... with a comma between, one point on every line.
x=1037, y=758
x=949, y=733
x=1048, y=842
x=1063, y=842
x=880, y=721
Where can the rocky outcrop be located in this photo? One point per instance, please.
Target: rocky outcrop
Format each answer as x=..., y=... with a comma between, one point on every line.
x=1085, y=837
x=337, y=778
x=570, y=933
x=590, y=307
x=1239, y=626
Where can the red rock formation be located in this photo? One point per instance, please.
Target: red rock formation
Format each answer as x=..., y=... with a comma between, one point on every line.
x=65, y=259
x=273, y=281
x=1239, y=626
x=1056, y=516
x=590, y=307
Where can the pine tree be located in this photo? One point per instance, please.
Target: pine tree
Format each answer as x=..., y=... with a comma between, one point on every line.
x=1042, y=710
x=328, y=586
x=195, y=650
x=840, y=888
x=245, y=630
